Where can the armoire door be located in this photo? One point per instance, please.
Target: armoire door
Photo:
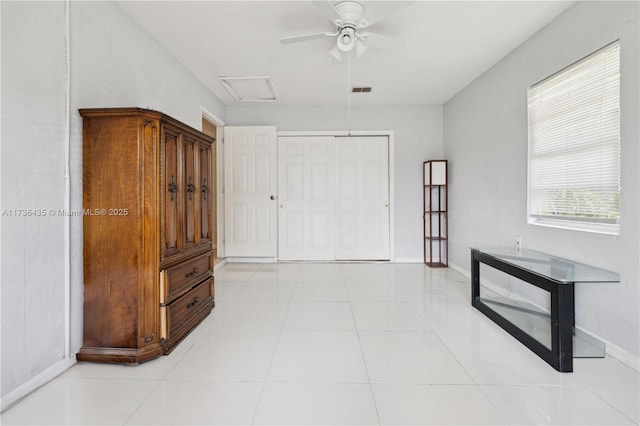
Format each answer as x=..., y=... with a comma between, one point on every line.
x=171, y=242
x=306, y=191
x=362, y=164
x=206, y=194
x=250, y=184
x=190, y=192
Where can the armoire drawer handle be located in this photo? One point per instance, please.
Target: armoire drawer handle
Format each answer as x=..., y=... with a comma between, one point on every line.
x=195, y=302
x=192, y=273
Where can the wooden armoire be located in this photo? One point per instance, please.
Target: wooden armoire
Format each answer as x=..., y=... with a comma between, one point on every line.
x=147, y=220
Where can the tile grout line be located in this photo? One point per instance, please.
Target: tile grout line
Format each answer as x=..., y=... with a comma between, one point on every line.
x=475, y=383
x=364, y=362
x=588, y=389
x=133, y=413
x=275, y=350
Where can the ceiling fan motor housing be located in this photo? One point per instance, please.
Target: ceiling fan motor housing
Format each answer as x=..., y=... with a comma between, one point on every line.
x=351, y=13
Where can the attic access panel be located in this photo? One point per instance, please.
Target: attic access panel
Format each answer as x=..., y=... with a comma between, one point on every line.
x=250, y=89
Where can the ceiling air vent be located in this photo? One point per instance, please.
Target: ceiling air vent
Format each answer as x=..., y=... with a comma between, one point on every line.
x=360, y=89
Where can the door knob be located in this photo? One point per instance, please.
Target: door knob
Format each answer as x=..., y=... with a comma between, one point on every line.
x=273, y=197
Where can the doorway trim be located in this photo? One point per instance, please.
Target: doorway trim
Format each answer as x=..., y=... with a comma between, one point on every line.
x=390, y=135
x=212, y=118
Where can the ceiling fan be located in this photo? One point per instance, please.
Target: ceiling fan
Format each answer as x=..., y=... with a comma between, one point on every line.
x=350, y=19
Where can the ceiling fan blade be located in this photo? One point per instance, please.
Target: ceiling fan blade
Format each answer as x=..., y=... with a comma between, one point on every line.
x=306, y=37
x=373, y=15
x=381, y=42
x=327, y=9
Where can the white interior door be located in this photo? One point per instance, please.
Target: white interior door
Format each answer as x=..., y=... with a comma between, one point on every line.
x=306, y=216
x=250, y=182
x=362, y=198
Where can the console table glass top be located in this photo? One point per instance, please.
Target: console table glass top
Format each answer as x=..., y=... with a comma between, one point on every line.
x=552, y=267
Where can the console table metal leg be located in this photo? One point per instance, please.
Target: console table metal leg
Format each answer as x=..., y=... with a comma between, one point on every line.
x=562, y=323
x=475, y=277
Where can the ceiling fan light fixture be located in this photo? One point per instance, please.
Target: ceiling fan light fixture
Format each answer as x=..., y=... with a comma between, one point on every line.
x=360, y=48
x=335, y=52
x=346, y=39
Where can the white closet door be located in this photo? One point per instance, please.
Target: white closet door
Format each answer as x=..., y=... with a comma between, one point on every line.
x=250, y=183
x=362, y=198
x=306, y=217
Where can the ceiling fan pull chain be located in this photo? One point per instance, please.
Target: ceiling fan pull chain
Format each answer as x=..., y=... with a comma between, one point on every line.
x=349, y=92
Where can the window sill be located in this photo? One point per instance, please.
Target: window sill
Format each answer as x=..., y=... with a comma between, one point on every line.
x=597, y=228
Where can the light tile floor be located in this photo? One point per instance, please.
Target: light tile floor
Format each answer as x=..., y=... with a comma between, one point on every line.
x=298, y=343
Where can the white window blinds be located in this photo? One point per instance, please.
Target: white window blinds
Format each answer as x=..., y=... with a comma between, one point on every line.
x=574, y=145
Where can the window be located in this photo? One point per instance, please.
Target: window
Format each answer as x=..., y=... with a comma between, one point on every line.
x=574, y=145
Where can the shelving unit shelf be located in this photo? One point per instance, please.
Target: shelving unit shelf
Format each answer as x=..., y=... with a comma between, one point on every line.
x=435, y=206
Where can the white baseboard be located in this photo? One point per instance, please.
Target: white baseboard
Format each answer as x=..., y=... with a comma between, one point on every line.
x=47, y=375
x=274, y=260
x=251, y=260
x=460, y=269
x=615, y=351
x=219, y=265
x=611, y=349
x=407, y=260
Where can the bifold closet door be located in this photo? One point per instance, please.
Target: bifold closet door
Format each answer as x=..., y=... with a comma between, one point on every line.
x=362, y=165
x=333, y=198
x=306, y=204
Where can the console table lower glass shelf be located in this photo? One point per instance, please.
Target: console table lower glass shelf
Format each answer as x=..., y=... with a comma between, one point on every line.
x=551, y=335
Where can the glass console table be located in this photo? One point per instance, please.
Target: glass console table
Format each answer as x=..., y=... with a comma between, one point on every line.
x=550, y=335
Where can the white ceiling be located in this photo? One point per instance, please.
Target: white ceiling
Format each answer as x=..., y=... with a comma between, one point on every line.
x=448, y=45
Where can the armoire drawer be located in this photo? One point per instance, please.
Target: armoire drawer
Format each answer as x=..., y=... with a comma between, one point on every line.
x=179, y=279
x=183, y=313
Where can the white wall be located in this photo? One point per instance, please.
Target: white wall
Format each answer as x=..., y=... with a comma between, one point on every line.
x=117, y=63
x=417, y=137
x=485, y=131
x=114, y=63
x=33, y=162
